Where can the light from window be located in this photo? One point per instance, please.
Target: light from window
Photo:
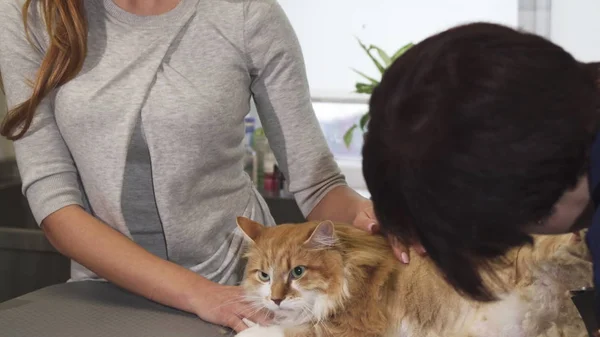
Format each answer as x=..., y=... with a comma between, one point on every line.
x=335, y=119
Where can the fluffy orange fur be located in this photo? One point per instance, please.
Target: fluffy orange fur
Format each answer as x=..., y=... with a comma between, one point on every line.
x=325, y=279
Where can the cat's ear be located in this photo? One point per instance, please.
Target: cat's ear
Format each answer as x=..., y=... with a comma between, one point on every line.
x=251, y=229
x=323, y=236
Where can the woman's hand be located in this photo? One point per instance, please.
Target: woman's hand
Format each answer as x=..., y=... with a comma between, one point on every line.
x=366, y=220
x=225, y=305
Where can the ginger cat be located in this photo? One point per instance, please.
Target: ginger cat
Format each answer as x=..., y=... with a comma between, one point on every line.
x=332, y=280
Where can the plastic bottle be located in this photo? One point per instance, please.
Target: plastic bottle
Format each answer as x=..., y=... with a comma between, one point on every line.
x=261, y=146
x=270, y=180
x=250, y=157
x=283, y=184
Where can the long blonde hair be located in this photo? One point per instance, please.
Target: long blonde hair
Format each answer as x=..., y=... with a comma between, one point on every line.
x=67, y=28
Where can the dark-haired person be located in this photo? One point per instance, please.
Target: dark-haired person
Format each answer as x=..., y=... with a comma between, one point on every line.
x=480, y=136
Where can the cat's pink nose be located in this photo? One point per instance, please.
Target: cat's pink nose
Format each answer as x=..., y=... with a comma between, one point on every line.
x=277, y=301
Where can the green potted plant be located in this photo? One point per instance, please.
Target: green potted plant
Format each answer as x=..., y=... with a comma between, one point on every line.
x=382, y=64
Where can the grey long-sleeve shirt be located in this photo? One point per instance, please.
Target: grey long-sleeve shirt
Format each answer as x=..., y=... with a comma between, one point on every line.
x=148, y=137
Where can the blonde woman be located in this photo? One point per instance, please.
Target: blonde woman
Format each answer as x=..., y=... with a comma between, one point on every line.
x=127, y=118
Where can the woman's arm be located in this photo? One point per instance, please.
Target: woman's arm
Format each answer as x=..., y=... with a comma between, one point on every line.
x=341, y=204
x=115, y=257
x=280, y=90
x=282, y=97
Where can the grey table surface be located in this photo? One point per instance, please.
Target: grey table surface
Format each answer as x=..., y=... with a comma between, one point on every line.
x=96, y=309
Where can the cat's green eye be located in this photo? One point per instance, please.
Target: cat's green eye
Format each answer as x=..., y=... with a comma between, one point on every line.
x=263, y=277
x=297, y=272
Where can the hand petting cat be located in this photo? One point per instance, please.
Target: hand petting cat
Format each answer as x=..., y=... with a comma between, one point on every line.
x=366, y=220
x=226, y=305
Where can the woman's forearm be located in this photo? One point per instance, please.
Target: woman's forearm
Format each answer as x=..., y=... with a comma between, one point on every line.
x=119, y=260
x=341, y=204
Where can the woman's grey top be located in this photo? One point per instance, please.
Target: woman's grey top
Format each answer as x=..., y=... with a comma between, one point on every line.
x=148, y=137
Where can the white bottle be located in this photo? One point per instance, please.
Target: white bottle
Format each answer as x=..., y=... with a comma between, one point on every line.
x=250, y=158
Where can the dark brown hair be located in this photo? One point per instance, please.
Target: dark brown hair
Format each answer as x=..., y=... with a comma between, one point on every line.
x=475, y=133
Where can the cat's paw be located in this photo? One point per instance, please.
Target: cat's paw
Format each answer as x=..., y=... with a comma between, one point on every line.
x=262, y=331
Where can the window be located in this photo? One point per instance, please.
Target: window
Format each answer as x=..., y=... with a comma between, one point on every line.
x=327, y=31
x=336, y=118
x=336, y=115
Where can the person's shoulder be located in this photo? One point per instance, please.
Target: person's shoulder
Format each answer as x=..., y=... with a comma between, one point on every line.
x=11, y=20
x=15, y=4
x=10, y=11
x=13, y=10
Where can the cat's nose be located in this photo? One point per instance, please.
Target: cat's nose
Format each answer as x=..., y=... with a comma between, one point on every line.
x=277, y=301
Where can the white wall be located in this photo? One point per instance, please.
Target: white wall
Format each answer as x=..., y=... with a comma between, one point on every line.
x=326, y=30
x=575, y=25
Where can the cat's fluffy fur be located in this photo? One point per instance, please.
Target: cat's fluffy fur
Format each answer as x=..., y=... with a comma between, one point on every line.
x=353, y=286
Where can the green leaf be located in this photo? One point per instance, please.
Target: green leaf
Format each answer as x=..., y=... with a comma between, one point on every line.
x=401, y=51
x=370, y=79
x=363, y=121
x=348, y=135
x=377, y=63
x=383, y=55
x=363, y=88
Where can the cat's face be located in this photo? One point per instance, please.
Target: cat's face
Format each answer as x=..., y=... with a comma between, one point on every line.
x=294, y=270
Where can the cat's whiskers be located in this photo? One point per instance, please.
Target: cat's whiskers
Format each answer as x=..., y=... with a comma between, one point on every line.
x=255, y=303
x=321, y=324
x=310, y=314
x=237, y=299
x=253, y=298
x=240, y=299
x=253, y=311
x=326, y=327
